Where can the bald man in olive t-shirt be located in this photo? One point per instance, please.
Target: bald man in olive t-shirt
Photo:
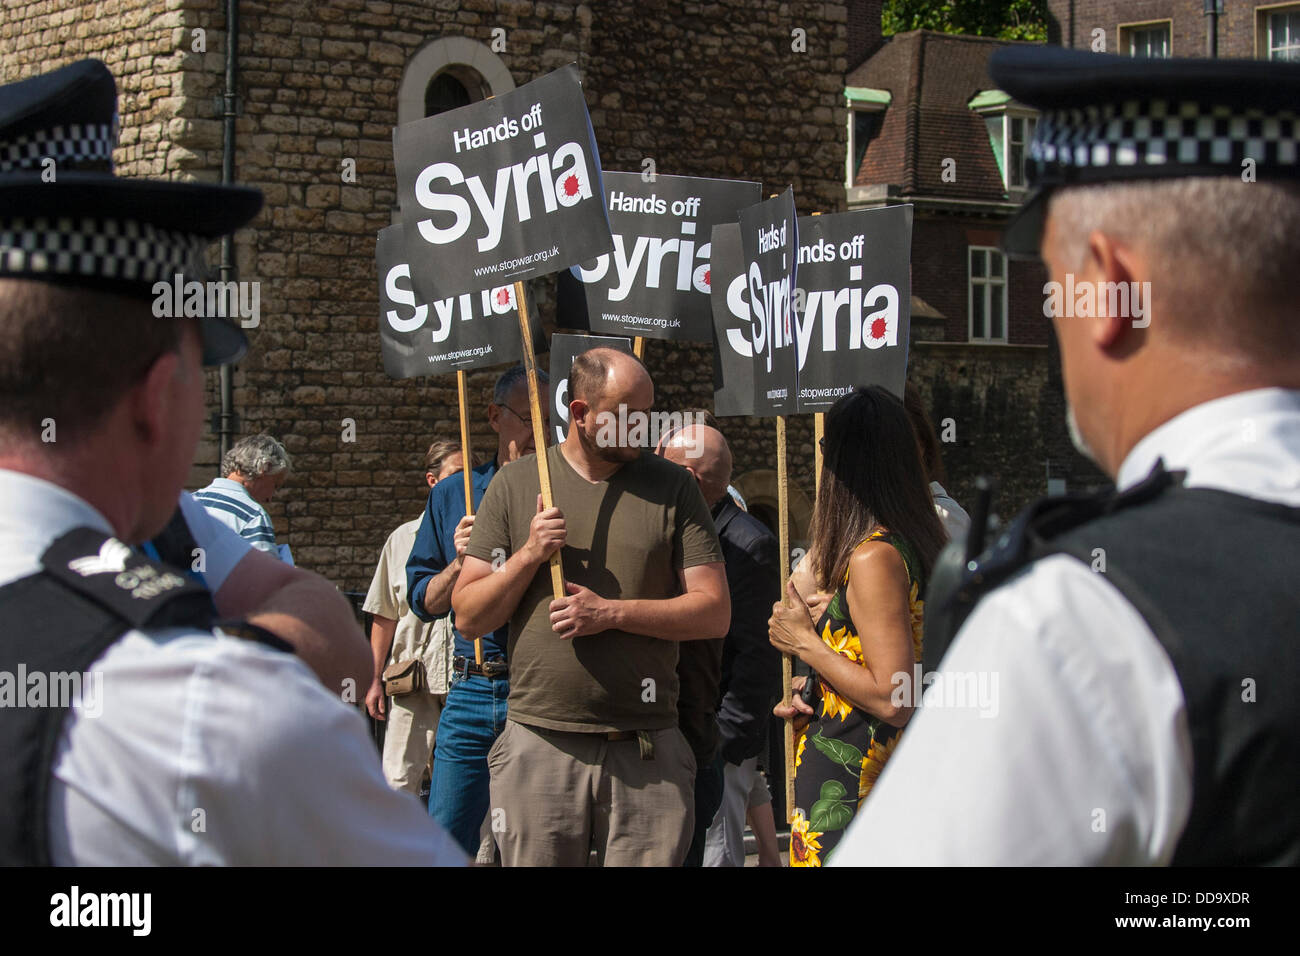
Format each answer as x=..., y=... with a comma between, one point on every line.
x=591, y=756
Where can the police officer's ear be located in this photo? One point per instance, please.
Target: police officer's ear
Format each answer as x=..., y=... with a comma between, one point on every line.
x=1115, y=268
x=158, y=394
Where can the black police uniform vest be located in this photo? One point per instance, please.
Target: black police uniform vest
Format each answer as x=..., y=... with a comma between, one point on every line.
x=1213, y=575
x=90, y=591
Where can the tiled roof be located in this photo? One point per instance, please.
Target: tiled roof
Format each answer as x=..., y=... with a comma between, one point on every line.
x=932, y=77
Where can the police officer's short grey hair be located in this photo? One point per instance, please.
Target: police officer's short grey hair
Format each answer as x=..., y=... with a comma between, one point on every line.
x=1221, y=253
x=513, y=378
x=256, y=456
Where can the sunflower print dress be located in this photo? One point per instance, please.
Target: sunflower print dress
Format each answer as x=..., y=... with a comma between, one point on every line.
x=844, y=749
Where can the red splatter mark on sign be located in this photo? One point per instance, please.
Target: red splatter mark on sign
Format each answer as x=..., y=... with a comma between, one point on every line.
x=707, y=273
x=571, y=186
x=878, y=329
x=503, y=296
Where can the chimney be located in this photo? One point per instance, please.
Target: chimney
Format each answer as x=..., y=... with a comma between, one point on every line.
x=864, y=30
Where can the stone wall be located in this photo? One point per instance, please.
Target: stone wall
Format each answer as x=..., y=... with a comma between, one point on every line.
x=703, y=89
x=707, y=89
x=999, y=411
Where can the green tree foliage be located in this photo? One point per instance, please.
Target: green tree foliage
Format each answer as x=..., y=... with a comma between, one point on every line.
x=1004, y=19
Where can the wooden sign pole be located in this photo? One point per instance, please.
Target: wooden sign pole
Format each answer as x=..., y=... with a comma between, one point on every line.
x=783, y=533
x=468, y=473
x=539, y=430
x=819, y=432
x=638, y=347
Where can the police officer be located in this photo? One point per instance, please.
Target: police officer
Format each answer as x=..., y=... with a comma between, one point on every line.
x=1123, y=687
x=136, y=727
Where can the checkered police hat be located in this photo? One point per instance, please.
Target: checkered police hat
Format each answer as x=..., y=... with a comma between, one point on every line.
x=1113, y=118
x=65, y=218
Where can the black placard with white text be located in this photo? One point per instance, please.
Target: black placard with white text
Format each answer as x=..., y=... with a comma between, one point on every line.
x=564, y=349
x=501, y=190
x=466, y=331
x=656, y=281
x=769, y=238
x=733, y=363
x=852, y=303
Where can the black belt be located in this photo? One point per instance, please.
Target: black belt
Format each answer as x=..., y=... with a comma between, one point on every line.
x=493, y=670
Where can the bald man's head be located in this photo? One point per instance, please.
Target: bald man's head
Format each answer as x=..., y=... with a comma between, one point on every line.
x=607, y=387
x=704, y=452
x=597, y=372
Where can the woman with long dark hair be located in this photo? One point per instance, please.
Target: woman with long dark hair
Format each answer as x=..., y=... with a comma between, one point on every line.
x=875, y=537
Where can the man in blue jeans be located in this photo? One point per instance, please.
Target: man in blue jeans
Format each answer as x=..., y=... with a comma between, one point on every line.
x=475, y=711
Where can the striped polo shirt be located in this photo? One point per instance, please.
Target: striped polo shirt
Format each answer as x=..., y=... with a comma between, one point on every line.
x=228, y=502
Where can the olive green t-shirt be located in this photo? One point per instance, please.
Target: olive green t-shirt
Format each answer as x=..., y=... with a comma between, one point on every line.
x=627, y=537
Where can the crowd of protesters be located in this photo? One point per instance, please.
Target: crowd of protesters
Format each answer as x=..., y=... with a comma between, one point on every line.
x=627, y=719
x=1143, y=636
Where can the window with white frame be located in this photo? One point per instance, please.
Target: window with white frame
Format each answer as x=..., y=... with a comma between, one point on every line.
x=987, y=294
x=1282, y=33
x=1019, y=131
x=1146, y=39
x=1009, y=134
x=862, y=126
x=866, y=108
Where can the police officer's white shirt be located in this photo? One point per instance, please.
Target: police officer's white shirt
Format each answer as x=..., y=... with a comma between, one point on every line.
x=954, y=517
x=209, y=750
x=1088, y=759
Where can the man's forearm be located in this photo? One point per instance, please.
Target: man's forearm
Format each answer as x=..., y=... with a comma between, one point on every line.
x=382, y=631
x=437, y=595
x=687, y=617
x=302, y=609
x=485, y=605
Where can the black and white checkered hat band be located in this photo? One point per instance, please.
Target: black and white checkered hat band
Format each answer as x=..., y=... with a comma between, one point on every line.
x=105, y=249
x=1070, y=144
x=73, y=143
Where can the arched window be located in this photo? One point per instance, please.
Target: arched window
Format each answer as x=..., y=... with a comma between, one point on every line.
x=448, y=90
x=447, y=73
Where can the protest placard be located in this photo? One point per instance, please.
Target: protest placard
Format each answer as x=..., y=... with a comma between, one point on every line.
x=459, y=333
x=564, y=349
x=852, y=303
x=733, y=362
x=656, y=281
x=502, y=190
x=769, y=237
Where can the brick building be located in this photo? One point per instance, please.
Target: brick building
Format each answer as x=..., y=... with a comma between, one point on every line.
x=1244, y=29
x=729, y=89
x=927, y=127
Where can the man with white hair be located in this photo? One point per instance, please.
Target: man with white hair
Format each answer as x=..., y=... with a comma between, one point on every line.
x=253, y=471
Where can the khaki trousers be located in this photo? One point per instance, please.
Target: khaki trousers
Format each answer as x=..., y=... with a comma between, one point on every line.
x=556, y=796
x=412, y=726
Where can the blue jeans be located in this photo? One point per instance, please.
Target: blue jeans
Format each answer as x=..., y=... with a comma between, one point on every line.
x=475, y=713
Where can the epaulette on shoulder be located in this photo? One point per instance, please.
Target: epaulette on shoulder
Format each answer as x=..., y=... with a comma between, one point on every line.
x=956, y=587
x=1030, y=534
x=113, y=575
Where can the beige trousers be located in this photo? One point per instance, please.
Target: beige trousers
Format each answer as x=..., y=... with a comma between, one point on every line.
x=412, y=726
x=557, y=796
